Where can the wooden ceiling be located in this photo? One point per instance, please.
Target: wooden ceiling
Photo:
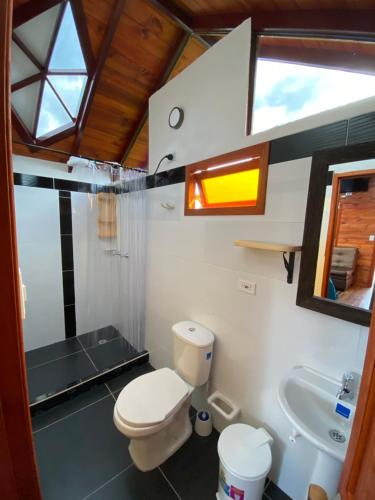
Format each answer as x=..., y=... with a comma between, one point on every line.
x=138, y=45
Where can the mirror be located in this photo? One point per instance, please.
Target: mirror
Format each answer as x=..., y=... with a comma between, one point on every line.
x=338, y=258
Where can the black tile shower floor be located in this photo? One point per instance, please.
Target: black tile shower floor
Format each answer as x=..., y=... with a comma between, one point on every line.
x=51, y=352
x=81, y=455
x=61, y=366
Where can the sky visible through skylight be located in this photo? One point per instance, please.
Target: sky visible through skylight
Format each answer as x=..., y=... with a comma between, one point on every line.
x=285, y=92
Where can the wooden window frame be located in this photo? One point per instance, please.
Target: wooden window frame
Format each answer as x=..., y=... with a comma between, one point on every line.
x=260, y=152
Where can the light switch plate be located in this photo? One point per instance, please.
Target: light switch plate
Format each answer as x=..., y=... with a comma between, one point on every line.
x=246, y=286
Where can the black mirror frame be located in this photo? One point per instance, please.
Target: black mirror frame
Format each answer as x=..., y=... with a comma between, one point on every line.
x=321, y=161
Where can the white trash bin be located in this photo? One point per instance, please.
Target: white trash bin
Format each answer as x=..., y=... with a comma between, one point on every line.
x=245, y=460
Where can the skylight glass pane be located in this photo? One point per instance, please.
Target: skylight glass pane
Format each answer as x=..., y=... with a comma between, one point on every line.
x=36, y=34
x=52, y=114
x=22, y=67
x=285, y=92
x=67, y=53
x=24, y=102
x=70, y=89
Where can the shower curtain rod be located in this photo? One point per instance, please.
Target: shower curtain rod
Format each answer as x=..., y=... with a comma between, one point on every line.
x=59, y=151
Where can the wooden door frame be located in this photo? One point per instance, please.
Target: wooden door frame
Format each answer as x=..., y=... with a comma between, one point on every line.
x=332, y=222
x=359, y=454
x=18, y=470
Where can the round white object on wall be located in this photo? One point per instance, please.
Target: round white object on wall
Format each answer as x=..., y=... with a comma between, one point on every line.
x=176, y=117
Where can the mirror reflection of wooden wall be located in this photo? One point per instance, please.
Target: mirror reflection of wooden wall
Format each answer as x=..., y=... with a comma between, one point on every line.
x=338, y=254
x=352, y=226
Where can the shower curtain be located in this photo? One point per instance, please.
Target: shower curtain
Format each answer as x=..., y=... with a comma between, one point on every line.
x=109, y=254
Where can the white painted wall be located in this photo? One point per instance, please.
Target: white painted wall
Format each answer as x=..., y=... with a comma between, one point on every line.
x=39, y=251
x=213, y=93
x=193, y=266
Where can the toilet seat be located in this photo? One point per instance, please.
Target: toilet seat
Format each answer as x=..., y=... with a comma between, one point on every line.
x=151, y=398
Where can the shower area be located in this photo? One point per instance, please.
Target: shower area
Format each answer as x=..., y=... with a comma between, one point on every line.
x=82, y=260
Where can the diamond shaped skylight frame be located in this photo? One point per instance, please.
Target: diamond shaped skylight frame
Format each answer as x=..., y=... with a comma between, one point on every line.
x=50, y=72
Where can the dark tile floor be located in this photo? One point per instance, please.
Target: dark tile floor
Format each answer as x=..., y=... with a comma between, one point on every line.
x=81, y=455
x=63, y=365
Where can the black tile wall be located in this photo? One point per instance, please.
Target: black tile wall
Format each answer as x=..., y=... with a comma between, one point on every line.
x=82, y=187
x=67, y=252
x=361, y=129
x=65, y=215
x=172, y=176
x=33, y=181
x=67, y=258
x=303, y=144
x=70, y=320
x=68, y=288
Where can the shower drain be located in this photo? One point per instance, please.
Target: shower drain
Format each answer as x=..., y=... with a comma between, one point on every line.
x=102, y=341
x=337, y=436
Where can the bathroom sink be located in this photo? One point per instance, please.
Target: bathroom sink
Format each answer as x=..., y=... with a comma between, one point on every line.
x=308, y=399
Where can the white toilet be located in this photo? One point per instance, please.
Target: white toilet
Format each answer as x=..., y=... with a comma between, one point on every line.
x=153, y=409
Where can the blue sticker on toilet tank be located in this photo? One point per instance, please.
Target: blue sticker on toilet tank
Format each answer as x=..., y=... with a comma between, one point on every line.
x=209, y=355
x=342, y=410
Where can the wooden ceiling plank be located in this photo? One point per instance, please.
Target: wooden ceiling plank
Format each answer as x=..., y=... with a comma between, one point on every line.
x=359, y=21
x=162, y=81
x=91, y=87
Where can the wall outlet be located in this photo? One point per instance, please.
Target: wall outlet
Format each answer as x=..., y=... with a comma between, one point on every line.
x=371, y=237
x=247, y=286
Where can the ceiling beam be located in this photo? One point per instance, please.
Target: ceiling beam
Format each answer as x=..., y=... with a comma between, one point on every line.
x=97, y=70
x=167, y=73
x=356, y=21
x=178, y=16
x=28, y=10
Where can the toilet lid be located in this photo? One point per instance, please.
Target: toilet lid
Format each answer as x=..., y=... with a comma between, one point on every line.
x=151, y=398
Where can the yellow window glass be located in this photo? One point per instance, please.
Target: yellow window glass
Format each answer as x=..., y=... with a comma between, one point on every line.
x=234, y=189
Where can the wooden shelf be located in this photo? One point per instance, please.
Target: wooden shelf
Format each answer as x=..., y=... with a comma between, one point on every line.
x=274, y=247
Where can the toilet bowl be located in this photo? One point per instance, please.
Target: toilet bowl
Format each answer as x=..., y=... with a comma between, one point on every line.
x=153, y=409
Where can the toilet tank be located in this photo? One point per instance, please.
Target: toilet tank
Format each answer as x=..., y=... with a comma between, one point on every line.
x=193, y=345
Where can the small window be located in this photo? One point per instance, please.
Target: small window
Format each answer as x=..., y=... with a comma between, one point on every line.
x=298, y=77
x=230, y=184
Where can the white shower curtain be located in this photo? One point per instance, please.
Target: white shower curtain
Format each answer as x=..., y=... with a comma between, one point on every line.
x=110, y=271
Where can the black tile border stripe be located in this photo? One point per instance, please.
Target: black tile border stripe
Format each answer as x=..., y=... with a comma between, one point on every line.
x=67, y=259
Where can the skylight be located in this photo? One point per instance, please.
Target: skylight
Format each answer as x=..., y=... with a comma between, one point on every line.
x=49, y=73
x=286, y=91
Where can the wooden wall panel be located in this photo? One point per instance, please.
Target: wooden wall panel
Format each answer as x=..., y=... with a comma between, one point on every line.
x=202, y=7
x=138, y=155
x=141, y=49
x=355, y=222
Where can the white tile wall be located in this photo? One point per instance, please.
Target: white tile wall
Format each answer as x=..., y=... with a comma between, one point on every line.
x=192, y=273
x=39, y=251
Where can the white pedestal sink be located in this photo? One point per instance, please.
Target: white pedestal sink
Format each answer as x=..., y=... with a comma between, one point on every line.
x=308, y=399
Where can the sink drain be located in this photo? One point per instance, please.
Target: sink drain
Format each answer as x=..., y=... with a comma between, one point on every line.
x=337, y=436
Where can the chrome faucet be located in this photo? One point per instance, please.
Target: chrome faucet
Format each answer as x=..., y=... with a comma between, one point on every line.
x=346, y=389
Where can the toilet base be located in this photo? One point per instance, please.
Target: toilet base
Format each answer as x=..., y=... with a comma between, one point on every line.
x=149, y=452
